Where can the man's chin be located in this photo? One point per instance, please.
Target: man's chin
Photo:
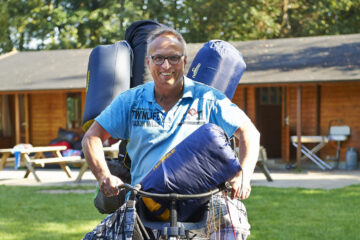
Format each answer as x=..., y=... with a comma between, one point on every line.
x=168, y=81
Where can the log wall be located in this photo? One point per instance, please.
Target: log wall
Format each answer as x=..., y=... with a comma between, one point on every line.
x=340, y=102
x=47, y=115
x=322, y=104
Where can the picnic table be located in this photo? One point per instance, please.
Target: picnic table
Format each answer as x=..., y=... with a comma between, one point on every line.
x=39, y=158
x=111, y=151
x=262, y=162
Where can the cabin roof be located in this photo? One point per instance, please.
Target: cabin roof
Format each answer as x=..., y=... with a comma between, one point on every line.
x=299, y=60
x=276, y=61
x=44, y=70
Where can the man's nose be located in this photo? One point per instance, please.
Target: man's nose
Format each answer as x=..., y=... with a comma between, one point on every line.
x=166, y=64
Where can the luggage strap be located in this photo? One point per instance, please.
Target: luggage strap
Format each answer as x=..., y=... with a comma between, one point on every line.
x=129, y=219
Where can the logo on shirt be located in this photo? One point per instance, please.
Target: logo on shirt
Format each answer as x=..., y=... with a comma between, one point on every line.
x=192, y=112
x=193, y=117
x=145, y=117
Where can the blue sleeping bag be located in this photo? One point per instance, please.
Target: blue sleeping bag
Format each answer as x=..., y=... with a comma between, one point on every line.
x=218, y=64
x=109, y=72
x=200, y=163
x=136, y=35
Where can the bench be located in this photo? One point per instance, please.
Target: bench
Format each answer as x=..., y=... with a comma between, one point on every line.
x=68, y=159
x=262, y=163
x=62, y=161
x=34, y=156
x=112, y=152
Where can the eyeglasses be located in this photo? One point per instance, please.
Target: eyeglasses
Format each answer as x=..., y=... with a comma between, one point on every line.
x=173, y=59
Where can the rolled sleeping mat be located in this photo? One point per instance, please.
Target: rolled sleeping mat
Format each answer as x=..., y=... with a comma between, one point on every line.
x=109, y=73
x=136, y=35
x=218, y=64
x=200, y=163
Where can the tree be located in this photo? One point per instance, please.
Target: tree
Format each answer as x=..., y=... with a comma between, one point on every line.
x=232, y=20
x=55, y=24
x=5, y=41
x=323, y=17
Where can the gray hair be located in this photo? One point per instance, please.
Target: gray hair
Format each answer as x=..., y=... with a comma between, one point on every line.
x=161, y=31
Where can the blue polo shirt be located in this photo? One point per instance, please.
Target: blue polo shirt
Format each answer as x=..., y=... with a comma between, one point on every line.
x=152, y=132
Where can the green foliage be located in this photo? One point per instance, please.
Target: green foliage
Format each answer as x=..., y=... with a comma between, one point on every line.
x=324, y=17
x=54, y=24
x=5, y=42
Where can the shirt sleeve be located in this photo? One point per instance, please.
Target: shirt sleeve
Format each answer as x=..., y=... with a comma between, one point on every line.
x=114, y=119
x=228, y=115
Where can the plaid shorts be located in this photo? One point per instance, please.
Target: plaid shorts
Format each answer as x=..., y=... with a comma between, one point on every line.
x=228, y=220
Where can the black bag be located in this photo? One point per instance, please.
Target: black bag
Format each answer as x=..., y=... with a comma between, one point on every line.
x=125, y=160
x=119, y=167
x=136, y=35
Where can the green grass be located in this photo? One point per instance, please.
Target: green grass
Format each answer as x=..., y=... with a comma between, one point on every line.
x=274, y=213
x=26, y=213
x=295, y=213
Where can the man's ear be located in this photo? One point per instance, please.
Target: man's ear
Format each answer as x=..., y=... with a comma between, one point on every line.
x=147, y=61
x=185, y=60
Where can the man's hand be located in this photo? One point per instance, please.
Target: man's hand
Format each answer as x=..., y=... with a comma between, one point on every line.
x=109, y=185
x=240, y=187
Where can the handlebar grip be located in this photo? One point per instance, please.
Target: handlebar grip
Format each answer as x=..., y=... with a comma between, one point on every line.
x=228, y=186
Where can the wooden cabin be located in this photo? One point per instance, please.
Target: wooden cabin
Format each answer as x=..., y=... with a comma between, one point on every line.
x=302, y=86
x=295, y=86
x=41, y=92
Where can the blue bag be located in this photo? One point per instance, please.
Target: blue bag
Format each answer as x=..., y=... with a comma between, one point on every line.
x=109, y=72
x=136, y=35
x=218, y=64
x=200, y=163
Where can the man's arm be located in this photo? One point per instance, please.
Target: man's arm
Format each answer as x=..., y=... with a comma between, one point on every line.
x=249, y=144
x=92, y=145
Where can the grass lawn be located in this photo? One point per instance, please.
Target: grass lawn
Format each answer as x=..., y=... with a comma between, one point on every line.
x=295, y=213
x=28, y=213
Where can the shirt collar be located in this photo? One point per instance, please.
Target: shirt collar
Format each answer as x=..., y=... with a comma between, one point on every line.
x=188, y=86
x=149, y=91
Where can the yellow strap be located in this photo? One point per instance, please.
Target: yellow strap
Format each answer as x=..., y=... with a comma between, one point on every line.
x=154, y=206
x=125, y=162
x=87, y=124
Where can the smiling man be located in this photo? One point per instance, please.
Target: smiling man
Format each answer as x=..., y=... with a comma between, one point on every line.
x=166, y=61
x=158, y=115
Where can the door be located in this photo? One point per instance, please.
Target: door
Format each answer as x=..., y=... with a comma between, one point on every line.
x=268, y=119
x=6, y=125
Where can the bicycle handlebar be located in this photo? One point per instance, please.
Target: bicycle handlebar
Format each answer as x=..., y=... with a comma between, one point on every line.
x=137, y=191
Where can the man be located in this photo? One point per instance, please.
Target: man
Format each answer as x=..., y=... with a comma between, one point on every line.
x=153, y=117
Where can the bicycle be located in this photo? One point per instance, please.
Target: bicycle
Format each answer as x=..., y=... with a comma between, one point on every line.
x=172, y=229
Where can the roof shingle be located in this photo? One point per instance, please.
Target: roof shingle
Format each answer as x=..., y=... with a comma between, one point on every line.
x=291, y=60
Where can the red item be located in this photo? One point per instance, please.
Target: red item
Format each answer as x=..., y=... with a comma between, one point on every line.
x=62, y=143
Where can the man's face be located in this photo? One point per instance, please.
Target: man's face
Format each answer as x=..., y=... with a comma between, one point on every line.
x=166, y=74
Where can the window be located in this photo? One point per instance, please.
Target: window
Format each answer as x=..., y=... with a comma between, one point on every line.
x=73, y=103
x=270, y=96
